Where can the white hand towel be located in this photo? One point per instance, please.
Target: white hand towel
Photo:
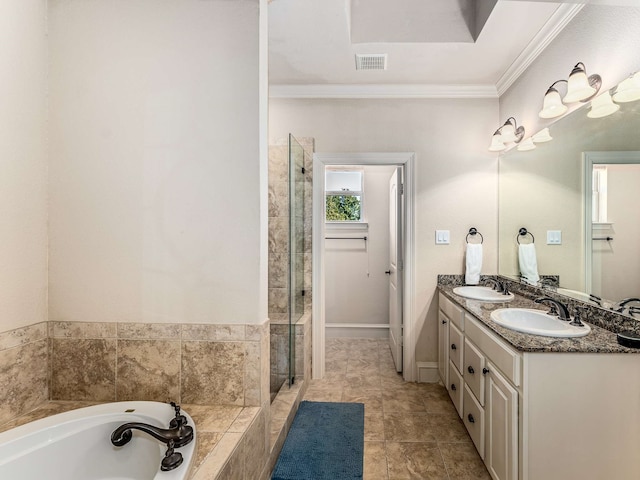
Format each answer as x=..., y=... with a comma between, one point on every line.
x=474, y=263
x=528, y=262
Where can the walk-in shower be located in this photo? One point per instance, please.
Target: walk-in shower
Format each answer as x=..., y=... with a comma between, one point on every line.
x=288, y=244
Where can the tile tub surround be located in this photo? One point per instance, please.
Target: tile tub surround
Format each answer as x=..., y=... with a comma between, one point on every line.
x=601, y=317
x=599, y=340
x=86, y=361
x=231, y=440
x=190, y=363
x=24, y=370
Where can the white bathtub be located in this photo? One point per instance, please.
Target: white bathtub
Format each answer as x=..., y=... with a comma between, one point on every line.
x=76, y=445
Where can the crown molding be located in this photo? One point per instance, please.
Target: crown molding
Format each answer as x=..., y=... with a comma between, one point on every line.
x=382, y=91
x=556, y=23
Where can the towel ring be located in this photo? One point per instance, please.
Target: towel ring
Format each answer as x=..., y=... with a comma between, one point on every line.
x=522, y=232
x=473, y=231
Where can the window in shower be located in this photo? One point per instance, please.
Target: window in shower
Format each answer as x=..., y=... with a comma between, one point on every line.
x=344, y=195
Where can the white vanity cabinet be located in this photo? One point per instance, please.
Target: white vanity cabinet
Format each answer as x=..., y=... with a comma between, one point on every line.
x=451, y=349
x=483, y=375
x=551, y=415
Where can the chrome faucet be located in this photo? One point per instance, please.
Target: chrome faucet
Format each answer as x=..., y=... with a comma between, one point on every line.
x=558, y=308
x=177, y=435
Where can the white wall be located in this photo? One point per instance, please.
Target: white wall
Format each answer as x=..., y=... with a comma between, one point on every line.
x=605, y=38
x=456, y=184
x=23, y=163
x=356, y=287
x=155, y=181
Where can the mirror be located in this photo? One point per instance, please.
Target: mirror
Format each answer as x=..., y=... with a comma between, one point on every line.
x=551, y=189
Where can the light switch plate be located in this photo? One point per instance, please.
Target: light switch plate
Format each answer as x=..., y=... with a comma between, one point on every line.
x=442, y=237
x=554, y=237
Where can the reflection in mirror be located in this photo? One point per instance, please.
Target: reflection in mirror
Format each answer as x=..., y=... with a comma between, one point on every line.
x=543, y=190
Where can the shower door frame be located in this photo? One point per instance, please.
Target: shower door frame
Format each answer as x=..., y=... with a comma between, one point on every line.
x=320, y=160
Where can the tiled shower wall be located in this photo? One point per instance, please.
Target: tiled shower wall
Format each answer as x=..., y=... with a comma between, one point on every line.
x=197, y=364
x=279, y=257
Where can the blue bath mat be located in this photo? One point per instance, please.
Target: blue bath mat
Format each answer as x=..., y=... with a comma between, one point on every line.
x=325, y=442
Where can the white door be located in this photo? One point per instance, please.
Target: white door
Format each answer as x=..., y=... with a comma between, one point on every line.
x=395, y=268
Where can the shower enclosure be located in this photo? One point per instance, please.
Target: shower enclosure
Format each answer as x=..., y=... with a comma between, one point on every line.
x=286, y=257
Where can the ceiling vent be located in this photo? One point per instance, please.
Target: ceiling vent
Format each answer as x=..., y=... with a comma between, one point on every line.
x=371, y=61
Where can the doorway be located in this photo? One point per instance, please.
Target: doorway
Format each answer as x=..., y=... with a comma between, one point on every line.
x=404, y=271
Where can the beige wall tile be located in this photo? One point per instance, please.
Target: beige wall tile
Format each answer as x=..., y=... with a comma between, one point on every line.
x=23, y=335
x=84, y=329
x=24, y=379
x=148, y=370
x=140, y=331
x=213, y=373
x=218, y=332
x=83, y=369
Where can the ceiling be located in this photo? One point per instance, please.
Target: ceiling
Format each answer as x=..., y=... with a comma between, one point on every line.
x=434, y=47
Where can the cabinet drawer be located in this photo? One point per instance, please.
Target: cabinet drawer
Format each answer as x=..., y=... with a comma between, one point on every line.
x=451, y=310
x=456, y=346
x=473, y=417
x=474, y=370
x=504, y=357
x=455, y=387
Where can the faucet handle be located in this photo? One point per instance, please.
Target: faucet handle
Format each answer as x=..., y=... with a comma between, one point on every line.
x=578, y=317
x=179, y=419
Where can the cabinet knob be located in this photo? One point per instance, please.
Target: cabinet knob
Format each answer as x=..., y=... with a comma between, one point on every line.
x=470, y=370
x=471, y=419
x=444, y=322
x=453, y=387
x=453, y=346
x=485, y=371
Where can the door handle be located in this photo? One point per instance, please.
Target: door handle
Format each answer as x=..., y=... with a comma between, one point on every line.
x=388, y=272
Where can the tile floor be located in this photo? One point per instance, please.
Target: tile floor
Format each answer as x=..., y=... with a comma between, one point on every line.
x=412, y=430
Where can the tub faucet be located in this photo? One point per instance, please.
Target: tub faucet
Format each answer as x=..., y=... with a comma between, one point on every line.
x=558, y=308
x=177, y=435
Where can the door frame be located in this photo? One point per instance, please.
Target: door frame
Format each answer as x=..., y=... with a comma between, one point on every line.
x=321, y=160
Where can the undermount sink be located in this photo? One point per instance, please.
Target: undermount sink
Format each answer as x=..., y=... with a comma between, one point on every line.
x=485, y=294
x=537, y=322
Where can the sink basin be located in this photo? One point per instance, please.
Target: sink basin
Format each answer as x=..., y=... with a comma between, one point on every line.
x=485, y=294
x=537, y=322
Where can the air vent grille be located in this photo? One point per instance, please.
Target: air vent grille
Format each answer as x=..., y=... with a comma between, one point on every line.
x=371, y=61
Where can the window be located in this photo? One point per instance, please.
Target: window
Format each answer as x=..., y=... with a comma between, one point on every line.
x=343, y=195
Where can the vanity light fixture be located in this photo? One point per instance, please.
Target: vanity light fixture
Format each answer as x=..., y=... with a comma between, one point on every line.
x=542, y=136
x=628, y=90
x=497, y=145
x=526, y=145
x=510, y=132
x=580, y=88
x=552, y=105
x=602, y=106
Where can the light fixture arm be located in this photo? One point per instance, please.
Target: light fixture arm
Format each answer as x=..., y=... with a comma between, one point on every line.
x=519, y=131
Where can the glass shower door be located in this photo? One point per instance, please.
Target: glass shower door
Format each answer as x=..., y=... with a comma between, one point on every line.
x=296, y=246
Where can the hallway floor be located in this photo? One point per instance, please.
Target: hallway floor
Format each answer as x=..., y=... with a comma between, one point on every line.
x=412, y=430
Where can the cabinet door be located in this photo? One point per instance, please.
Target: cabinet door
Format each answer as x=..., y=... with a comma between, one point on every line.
x=501, y=427
x=443, y=348
x=456, y=346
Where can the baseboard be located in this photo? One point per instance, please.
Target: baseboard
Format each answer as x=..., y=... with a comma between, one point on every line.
x=356, y=330
x=428, y=372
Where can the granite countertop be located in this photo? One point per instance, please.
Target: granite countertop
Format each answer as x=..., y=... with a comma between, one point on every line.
x=598, y=340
